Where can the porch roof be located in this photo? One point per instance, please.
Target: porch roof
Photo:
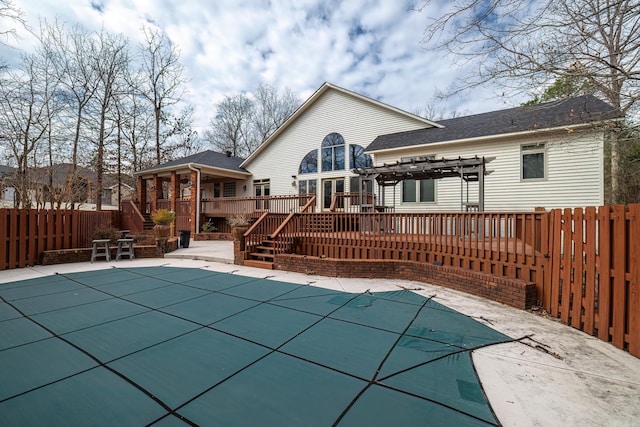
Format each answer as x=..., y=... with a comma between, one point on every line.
x=209, y=162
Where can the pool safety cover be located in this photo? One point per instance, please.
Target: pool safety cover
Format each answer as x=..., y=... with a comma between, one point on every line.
x=170, y=346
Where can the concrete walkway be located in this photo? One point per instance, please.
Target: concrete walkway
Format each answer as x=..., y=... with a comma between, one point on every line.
x=558, y=376
x=205, y=250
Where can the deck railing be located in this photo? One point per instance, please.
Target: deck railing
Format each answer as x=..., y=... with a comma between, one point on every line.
x=227, y=206
x=350, y=202
x=506, y=243
x=132, y=219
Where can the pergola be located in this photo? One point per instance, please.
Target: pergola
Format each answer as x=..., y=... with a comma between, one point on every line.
x=466, y=169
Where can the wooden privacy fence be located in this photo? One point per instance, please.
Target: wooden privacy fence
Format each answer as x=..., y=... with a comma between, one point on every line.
x=593, y=277
x=26, y=233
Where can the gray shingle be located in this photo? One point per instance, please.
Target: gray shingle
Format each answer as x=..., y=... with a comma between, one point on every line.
x=207, y=158
x=578, y=110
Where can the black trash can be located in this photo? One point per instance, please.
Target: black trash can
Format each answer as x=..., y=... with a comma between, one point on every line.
x=185, y=236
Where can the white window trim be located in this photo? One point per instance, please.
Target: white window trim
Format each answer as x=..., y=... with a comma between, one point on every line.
x=435, y=183
x=540, y=147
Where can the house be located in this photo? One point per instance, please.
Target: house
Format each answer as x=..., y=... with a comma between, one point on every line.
x=547, y=155
x=62, y=186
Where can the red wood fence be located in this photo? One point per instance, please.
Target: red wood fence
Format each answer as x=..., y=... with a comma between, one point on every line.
x=593, y=277
x=26, y=233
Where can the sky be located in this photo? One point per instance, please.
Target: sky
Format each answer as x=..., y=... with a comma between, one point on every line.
x=371, y=47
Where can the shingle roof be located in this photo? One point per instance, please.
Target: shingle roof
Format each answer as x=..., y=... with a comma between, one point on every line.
x=573, y=111
x=207, y=158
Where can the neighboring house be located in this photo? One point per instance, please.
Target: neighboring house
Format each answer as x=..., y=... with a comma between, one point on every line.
x=60, y=184
x=548, y=155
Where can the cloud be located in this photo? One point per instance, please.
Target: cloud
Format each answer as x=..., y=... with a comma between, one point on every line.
x=368, y=46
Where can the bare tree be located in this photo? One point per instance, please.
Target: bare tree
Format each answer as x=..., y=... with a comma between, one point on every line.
x=24, y=121
x=526, y=45
x=271, y=109
x=70, y=55
x=9, y=15
x=242, y=123
x=110, y=59
x=181, y=139
x=161, y=80
x=230, y=130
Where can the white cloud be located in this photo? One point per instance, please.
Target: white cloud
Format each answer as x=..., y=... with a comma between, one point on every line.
x=368, y=46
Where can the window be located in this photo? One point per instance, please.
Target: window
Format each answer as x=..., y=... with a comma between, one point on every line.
x=357, y=157
x=533, y=161
x=332, y=152
x=309, y=163
x=418, y=191
x=261, y=187
x=229, y=189
x=307, y=187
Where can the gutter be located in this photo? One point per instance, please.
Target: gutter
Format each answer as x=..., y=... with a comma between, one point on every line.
x=197, y=171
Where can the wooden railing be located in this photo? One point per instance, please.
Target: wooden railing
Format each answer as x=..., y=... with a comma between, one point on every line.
x=163, y=204
x=350, y=202
x=228, y=206
x=183, y=215
x=132, y=219
x=262, y=229
x=29, y=232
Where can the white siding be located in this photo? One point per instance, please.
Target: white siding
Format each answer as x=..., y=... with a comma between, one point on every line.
x=358, y=121
x=574, y=174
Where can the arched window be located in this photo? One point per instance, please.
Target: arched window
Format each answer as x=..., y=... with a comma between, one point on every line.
x=357, y=157
x=332, y=152
x=309, y=163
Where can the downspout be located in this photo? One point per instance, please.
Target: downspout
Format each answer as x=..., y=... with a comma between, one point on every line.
x=197, y=171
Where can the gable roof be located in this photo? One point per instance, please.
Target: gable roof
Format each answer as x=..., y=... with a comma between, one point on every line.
x=313, y=98
x=530, y=118
x=208, y=158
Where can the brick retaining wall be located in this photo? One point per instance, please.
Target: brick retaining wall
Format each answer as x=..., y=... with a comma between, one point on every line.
x=65, y=256
x=514, y=292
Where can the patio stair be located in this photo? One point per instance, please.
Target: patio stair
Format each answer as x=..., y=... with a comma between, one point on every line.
x=263, y=255
x=148, y=223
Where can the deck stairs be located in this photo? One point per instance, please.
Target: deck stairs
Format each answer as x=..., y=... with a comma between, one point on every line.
x=148, y=223
x=263, y=255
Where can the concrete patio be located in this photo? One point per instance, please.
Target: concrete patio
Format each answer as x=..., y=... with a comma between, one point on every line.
x=555, y=375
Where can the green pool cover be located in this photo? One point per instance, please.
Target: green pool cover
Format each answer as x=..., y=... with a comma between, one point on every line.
x=168, y=346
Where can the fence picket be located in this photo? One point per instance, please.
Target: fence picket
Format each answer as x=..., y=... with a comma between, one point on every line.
x=604, y=273
x=619, y=269
x=590, y=264
x=634, y=282
x=576, y=279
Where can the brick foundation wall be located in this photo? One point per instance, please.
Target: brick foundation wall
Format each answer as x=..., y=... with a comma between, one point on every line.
x=212, y=236
x=514, y=292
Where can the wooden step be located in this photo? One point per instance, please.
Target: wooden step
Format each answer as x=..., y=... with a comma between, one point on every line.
x=258, y=255
x=258, y=264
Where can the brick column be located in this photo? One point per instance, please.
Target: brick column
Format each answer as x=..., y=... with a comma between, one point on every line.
x=142, y=194
x=157, y=192
x=175, y=189
x=194, y=201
